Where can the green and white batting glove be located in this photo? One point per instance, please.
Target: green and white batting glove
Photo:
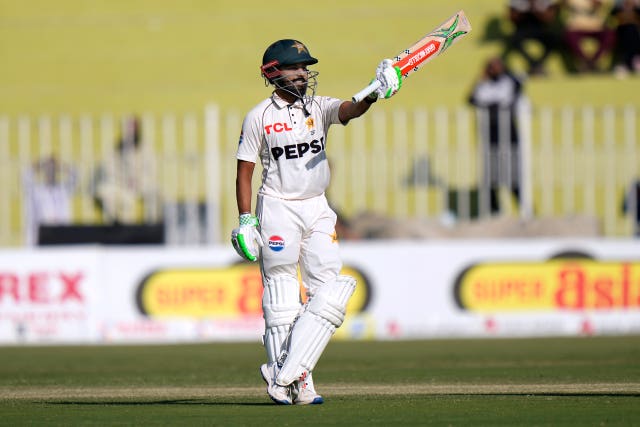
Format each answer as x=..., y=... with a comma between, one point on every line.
x=246, y=238
x=390, y=79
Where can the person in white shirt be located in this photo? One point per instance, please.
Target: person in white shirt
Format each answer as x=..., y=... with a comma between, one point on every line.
x=293, y=226
x=48, y=193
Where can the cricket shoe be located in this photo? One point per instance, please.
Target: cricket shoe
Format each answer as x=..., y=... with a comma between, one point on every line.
x=279, y=394
x=304, y=393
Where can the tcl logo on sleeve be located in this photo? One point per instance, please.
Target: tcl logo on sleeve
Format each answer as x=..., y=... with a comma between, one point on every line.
x=277, y=128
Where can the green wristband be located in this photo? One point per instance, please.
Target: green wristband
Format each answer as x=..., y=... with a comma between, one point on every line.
x=248, y=219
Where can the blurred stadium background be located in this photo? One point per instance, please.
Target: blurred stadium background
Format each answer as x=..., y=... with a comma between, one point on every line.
x=73, y=72
x=158, y=56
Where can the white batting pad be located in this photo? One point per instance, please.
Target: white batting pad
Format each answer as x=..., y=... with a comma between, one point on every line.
x=280, y=306
x=312, y=331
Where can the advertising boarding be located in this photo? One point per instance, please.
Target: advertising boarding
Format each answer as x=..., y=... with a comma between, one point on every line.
x=405, y=290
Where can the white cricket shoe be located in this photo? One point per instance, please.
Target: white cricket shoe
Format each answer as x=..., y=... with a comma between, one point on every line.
x=304, y=393
x=279, y=394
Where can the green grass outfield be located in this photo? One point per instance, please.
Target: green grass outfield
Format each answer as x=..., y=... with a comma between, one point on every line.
x=503, y=382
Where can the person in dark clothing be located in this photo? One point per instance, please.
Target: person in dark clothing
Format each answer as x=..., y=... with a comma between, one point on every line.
x=631, y=205
x=496, y=97
x=586, y=20
x=626, y=14
x=533, y=20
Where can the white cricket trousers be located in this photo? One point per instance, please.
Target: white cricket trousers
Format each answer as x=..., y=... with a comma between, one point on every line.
x=299, y=233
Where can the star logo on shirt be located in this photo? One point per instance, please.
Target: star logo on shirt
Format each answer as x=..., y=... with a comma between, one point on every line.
x=334, y=237
x=301, y=48
x=310, y=123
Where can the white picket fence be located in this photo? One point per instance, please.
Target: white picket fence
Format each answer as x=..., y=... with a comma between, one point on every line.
x=578, y=161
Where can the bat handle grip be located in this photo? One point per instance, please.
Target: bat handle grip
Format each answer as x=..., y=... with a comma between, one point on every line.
x=373, y=86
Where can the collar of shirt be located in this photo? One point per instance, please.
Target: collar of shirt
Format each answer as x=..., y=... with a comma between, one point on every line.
x=281, y=103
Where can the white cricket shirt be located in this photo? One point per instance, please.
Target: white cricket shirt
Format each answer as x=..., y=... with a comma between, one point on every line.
x=291, y=145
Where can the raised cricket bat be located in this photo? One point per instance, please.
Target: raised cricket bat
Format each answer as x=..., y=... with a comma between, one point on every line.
x=424, y=50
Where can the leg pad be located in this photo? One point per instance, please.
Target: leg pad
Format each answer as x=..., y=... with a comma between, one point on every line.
x=311, y=333
x=280, y=306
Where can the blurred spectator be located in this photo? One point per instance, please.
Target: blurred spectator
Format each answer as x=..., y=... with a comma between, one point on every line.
x=344, y=228
x=586, y=20
x=48, y=191
x=631, y=205
x=626, y=14
x=496, y=96
x=533, y=20
x=122, y=182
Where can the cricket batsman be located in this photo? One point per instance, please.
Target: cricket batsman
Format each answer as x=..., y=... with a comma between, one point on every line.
x=293, y=226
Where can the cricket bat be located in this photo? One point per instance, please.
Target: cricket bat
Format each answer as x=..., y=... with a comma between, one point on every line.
x=424, y=50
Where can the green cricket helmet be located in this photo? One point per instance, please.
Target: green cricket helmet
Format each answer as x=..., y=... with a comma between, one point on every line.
x=290, y=52
x=284, y=52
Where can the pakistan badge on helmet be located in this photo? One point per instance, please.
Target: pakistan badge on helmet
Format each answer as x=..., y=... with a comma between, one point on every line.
x=284, y=52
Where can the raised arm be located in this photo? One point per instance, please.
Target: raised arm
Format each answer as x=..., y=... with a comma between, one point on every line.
x=350, y=110
x=388, y=82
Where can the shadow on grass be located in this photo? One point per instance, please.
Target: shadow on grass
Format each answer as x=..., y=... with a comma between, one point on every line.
x=155, y=402
x=169, y=402
x=551, y=394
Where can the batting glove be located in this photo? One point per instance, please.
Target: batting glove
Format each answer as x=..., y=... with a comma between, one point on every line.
x=246, y=238
x=390, y=79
